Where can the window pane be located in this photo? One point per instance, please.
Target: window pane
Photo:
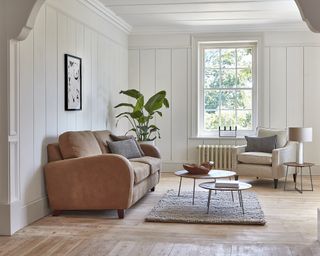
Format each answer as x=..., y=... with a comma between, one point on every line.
x=244, y=99
x=228, y=118
x=245, y=78
x=244, y=57
x=211, y=101
x=212, y=58
x=212, y=78
x=244, y=119
x=228, y=99
x=211, y=121
x=228, y=58
x=228, y=78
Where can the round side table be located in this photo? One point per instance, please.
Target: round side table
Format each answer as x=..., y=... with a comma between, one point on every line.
x=298, y=167
x=213, y=174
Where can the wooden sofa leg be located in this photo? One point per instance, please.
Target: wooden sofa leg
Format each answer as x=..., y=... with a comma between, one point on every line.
x=236, y=177
x=121, y=213
x=275, y=183
x=56, y=212
x=153, y=189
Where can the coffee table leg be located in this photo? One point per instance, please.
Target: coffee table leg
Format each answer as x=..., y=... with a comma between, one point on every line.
x=232, y=196
x=209, y=199
x=194, y=189
x=179, y=186
x=241, y=200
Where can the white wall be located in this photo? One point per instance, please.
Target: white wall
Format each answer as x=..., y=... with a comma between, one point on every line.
x=68, y=27
x=288, y=92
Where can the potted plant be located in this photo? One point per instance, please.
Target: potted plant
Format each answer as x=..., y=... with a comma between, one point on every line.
x=140, y=114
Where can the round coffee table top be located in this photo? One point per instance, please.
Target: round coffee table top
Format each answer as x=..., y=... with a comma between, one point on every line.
x=212, y=186
x=213, y=174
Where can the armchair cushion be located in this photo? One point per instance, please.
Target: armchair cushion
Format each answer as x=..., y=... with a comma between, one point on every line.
x=255, y=158
x=281, y=135
x=263, y=144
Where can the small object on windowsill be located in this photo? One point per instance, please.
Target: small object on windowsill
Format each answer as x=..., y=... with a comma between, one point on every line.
x=204, y=168
x=225, y=133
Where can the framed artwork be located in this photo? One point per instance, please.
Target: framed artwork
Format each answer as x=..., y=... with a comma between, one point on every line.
x=73, y=82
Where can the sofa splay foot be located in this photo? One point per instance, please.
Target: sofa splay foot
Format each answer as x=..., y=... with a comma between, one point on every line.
x=294, y=177
x=56, y=213
x=120, y=213
x=275, y=181
x=236, y=177
x=153, y=189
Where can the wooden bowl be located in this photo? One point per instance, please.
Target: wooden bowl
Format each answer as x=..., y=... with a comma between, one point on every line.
x=195, y=169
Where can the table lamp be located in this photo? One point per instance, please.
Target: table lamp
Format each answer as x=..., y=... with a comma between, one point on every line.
x=300, y=135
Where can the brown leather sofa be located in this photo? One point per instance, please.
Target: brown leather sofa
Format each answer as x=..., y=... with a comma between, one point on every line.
x=82, y=174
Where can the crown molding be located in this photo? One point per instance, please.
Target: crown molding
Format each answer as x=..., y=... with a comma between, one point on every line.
x=218, y=29
x=107, y=14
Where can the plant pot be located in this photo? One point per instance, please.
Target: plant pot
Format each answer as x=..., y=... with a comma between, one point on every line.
x=150, y=142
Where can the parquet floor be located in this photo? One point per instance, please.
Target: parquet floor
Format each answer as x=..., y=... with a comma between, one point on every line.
x=291, y=229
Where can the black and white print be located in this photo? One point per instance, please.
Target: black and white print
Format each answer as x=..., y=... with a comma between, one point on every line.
x=73, y=83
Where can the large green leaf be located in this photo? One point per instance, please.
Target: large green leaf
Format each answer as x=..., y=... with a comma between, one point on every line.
x=155, y=102
x=139, y=104
x=132, y=93
x=166, y=102
x=123, y=113
x=136, y=114
x=124, y=105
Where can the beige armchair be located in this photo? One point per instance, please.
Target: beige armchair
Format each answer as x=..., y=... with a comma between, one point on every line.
x=265, y=165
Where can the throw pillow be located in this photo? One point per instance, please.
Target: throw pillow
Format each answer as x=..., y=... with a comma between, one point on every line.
x=119, y=138
x=263, y=144
x=127, y=148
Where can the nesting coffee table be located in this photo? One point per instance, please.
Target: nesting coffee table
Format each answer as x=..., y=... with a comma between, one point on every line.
x=213, y=174
x=211, y=186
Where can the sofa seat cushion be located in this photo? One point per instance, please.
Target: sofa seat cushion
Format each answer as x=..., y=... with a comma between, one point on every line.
x=78, y=144
x=141, y=171
x=153, y=162
x=255, y=158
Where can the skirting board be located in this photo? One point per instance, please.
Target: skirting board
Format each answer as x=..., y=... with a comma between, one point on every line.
x=17, y=216
x=171, y=167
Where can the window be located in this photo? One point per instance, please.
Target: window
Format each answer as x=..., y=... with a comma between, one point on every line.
x=227, y=82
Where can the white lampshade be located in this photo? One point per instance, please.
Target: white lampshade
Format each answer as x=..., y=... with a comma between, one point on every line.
x=300, y=134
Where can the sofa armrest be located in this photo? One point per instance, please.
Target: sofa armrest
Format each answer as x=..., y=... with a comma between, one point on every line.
x=285, y=154
x=150, y=150
x=96, y=182
x=234, y=155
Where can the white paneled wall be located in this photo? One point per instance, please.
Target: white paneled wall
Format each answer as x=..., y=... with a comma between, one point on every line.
x=41, y=89
x=288, y=95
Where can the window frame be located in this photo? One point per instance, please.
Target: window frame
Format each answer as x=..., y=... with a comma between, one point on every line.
x=201, y=46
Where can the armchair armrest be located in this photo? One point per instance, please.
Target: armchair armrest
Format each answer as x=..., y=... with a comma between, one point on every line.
x=234, y=155
x=150, y=150
x=285, y=154
x=96, y=182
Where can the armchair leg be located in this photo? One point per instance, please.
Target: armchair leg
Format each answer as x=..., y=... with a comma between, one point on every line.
x=294, y=177
x=275, y=181
x=236, y=177
x=121, y=213
x=153, y=189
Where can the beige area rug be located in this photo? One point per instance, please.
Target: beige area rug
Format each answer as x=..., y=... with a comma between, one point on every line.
x=223, y=210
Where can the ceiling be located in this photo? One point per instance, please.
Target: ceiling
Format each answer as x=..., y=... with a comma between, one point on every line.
x=207, y=15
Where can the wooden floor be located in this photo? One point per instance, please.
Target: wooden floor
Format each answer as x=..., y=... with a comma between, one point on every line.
x=290, y=229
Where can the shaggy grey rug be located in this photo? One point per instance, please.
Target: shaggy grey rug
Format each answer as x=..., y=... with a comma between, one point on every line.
x=223, y=210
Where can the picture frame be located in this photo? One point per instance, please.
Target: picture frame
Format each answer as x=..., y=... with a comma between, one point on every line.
x=73, y=82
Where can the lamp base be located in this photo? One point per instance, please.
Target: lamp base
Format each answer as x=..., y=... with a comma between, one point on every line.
x=300, y=153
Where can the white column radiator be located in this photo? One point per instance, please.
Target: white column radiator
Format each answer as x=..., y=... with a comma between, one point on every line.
x=219, y=154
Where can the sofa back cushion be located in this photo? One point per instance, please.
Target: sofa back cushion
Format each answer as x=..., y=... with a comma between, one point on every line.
x=103, y=137
x=54, y=153
x=282, y=138
x=78, y=144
